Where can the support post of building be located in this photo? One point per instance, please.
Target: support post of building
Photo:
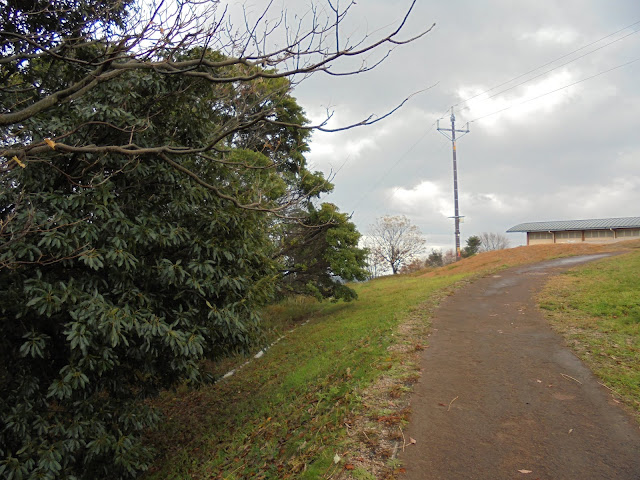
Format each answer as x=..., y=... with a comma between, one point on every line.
x=456, y=216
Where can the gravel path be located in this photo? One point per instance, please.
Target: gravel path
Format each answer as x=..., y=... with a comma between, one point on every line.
x=500, y=397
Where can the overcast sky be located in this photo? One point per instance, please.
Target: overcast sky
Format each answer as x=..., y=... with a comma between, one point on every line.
x=572, y=154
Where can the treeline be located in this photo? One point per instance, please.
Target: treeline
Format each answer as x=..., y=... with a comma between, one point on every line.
x=395, y=245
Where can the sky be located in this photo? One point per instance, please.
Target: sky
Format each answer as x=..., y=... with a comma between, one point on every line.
x=530, y=155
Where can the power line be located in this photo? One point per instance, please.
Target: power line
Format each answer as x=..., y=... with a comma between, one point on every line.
x=555, y=68
x=343, y=164
x=438, y=149
x=553, y=61
x=386, y=115
x=386, y=173
x=402, y=157
x=556, y=90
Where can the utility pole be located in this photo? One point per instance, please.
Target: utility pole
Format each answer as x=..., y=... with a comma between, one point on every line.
x=457, y=216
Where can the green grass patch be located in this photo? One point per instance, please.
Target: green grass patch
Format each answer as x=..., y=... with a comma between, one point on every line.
x=289, y=413
x=597, y=308
x=282, y=416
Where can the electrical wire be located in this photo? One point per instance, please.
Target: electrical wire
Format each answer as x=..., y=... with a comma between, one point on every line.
x=556, y=90
x=553, y=61
x=343, y=164
x=402, y=157
x=555, y=68
x=391, y=194
x=397, y=162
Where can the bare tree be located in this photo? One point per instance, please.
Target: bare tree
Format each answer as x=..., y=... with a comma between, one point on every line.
x=375, y=263
x=493, y=241
x=396, y=241
x=449, y=257
x=415, y=265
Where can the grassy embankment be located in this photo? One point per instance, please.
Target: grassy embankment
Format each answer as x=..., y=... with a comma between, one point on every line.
x=596, y=307
x=329, y=399
x=283, y=415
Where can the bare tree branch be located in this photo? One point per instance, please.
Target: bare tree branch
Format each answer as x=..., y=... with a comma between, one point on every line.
x=182, y=40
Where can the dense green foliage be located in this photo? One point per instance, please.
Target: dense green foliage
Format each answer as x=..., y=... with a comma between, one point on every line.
x=319, y=254
x=473, y=246
x=435, y=258
x=120, y=273
x=120, y=291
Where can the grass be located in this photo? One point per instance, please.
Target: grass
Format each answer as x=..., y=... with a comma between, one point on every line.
x=597, y=309
x=283, y=416
x=329, y=399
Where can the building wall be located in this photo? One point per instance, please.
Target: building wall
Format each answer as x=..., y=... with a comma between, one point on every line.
x=539, y=238
x=579, y=236
x=628, y=233
x=600, y=236
x=572, y=236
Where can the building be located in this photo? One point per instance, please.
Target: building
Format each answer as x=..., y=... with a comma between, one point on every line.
x=603, y=230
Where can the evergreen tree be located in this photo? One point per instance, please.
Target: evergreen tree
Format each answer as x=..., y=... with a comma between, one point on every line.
x=472, y=247
x=121, y=274
x=151, y=192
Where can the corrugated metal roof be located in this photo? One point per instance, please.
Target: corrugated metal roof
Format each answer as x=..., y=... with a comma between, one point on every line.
x=562, y=225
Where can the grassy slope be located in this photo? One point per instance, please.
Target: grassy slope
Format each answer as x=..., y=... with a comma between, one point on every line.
x=597, y=308
x=289, y=413
x=282, y=416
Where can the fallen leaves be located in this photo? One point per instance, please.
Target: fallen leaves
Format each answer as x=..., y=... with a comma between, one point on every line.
x=412, y=441
x=390, y=419
x=525, y=471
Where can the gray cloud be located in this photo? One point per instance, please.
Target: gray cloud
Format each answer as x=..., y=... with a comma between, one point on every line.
x=568, y=155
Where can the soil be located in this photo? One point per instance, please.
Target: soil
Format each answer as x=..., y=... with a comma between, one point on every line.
x=501, y=397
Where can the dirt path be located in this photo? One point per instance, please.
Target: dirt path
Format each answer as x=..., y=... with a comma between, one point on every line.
x=493, y=399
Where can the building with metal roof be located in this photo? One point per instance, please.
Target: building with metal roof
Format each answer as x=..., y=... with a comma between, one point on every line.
x=601, y=230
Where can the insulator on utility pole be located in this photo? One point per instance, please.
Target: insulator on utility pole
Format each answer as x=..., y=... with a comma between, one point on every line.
x=457, y=216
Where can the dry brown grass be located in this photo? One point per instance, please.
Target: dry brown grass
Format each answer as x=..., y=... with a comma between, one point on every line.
x=512, y=257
